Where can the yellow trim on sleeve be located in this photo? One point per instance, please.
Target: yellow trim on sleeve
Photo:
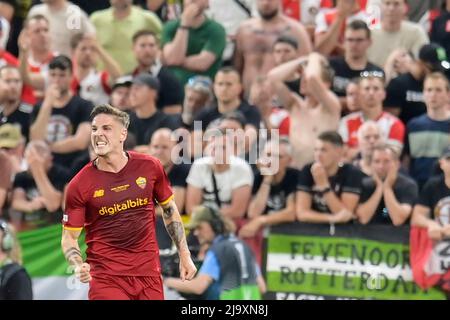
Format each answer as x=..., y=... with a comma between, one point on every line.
x=162, y=203
x=73, y=229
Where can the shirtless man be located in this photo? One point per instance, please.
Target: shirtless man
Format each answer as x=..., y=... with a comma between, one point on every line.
x=319, y=111
x=255, y=39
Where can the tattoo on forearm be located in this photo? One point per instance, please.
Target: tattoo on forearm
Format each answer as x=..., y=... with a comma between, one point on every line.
x=176, y=232
x=168, y=211
x=73, y=255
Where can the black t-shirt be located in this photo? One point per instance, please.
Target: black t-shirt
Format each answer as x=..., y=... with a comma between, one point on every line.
x=63, y=123
x=178, y=175
x=440, y=31
x=405, y=190
x=143, y=129
x=20, y=116
x=435, y=195
x=59, y=176
x=343, y=74
x=171, y=91
x=278, y=193
x=406, y=93
x=347, y=179
x=211, y=116
x=15, y=283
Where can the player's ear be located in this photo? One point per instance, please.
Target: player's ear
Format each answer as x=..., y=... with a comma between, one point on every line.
x=123, y=134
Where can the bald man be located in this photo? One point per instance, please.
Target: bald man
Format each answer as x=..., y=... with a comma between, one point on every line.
x=163, y=147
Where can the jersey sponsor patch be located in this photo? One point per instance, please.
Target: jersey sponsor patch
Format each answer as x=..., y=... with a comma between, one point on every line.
x=120, y=188
x=65, y=218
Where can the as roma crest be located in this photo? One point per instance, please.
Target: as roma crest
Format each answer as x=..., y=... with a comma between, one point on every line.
x=141, y=182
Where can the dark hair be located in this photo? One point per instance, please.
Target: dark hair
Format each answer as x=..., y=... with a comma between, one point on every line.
x=331, y=137
x=229, y=69
x=61, y=62
x=142, y=33
x=235, y=116
x=288, y=40
x=121, y=116
x=359, y=25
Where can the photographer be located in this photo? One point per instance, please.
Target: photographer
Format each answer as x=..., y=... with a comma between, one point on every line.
x=15, y=283
x=229, y=270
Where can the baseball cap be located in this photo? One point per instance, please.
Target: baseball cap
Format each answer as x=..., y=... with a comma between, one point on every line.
x=200, y=214
x=124, y=81
x=10, y=136
x=446, y=152
x=200, y=83
x=435, y=55
x=148, y=80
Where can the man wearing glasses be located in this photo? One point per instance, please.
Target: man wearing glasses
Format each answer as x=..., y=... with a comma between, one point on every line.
x=357, y=41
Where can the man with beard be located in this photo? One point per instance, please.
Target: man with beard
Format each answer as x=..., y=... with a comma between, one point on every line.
x=12, y=109
x=256, y=37
x=193, y=44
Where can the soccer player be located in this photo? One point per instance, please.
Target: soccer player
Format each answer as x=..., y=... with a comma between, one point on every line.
x=113, y=197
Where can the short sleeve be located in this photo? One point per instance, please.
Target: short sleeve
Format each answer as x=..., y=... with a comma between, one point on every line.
x=242, y=176
x=426, y=195
x=75, y=212
x=353, y=181
x=87, y=24
x=367, y=189
x=305, y=180
x=216, y=41
x=408, y=193
x=162, y=191
x=168, y=32
x=86, y=108
x=153, y=23
x=196, y=176
x=210, y=266
x=397, y=133
x=394, y=94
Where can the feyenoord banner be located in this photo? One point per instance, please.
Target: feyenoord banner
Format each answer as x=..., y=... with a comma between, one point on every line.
x=358, y=262
x=44, y=261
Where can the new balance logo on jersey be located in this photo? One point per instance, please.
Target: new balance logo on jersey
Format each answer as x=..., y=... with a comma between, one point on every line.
x=99, y=193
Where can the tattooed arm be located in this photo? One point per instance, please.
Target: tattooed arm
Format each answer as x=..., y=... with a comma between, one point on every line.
x=72, y=253
x=175, y=228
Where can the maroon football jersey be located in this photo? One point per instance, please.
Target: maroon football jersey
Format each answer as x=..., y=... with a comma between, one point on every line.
x=118, y=214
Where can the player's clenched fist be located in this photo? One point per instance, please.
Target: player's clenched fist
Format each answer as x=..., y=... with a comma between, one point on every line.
x=82, y=272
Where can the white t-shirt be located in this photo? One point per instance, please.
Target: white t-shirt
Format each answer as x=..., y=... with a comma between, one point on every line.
x=64, y=24
x=411, y=37
x=230, y=15
x=239, y=174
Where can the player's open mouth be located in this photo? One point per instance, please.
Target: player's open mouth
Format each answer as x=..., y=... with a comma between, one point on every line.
x=100, y=144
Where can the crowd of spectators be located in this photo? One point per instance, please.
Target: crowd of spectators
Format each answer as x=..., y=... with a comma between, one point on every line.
x=337, y=111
